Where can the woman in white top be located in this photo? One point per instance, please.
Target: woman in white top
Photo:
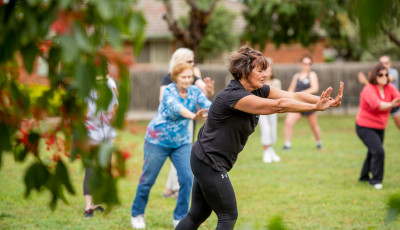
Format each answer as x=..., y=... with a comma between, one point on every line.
x=269, y=123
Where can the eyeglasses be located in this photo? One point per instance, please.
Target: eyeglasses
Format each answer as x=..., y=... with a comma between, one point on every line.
x=381, y=75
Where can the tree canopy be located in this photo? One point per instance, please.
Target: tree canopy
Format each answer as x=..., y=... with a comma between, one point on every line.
x=287, y=21
x=70, y=36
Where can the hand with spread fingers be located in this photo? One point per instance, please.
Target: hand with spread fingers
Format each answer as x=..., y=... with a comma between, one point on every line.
x=338, y=100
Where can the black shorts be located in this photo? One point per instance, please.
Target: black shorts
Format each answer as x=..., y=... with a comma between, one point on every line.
x=395, y=111
x=306, y=114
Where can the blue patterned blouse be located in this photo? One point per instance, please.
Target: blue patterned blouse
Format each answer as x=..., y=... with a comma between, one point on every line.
x=168, y=128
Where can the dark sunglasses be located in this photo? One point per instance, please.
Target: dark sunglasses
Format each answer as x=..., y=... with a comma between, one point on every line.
x=381, y=75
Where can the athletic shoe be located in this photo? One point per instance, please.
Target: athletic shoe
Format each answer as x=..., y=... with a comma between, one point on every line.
x=138, y=222
x=88, y=213
x=378, y=186
x=319, y=146
x=274, y=156
x=285, y=147
x=267, y=156
x=173, y=194
x=175, y=223
x=98, y=208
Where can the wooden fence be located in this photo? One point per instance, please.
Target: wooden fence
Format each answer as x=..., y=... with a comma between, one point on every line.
x=146, y=81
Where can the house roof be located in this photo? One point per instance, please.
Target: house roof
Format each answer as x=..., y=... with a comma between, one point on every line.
x=158, y=28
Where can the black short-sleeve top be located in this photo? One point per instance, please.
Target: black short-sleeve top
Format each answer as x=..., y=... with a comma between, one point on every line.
x=226, y=130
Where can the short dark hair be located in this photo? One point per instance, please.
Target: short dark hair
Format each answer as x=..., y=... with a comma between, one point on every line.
x=374, y=74
x=243, y=61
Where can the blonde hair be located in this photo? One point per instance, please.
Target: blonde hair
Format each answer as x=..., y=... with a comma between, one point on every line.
x=180, y=55
x=179, y=68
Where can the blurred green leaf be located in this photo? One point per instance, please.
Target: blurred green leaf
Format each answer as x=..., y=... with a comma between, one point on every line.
x=82, y=40
x=276, y=223
x=20, y=152
x=69, y=48
x=29, y=54
x=123, y=99
x=5, y=137
x=85, y=78
x=394, y=207
x=62, y=176
x=104, y=9
x=103, y=187
x=36, y=177
x=114, y=37
x=104, y=155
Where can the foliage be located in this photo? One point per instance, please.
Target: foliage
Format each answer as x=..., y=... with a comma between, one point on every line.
x=394, y=207
x=376, y=17
x=218, y=36
x=348, y=25
x=70, y=35
x=206, y=30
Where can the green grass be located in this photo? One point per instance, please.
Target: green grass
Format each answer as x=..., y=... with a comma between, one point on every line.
x=309, y=189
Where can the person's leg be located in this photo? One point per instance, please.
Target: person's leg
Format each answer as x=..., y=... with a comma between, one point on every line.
x=199, y=210
x=313, y=121
x=218, y=192
x=374, y=161
x=154, y=158
x=290, y=121
x=395, y=112
x=265, y=138
x=180, y=157
x=172, y=185
x=86, y=193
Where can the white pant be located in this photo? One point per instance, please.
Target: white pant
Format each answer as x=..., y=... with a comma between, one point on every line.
x=268, y=127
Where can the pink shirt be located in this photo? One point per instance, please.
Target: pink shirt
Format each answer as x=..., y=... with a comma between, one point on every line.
x=369, y=115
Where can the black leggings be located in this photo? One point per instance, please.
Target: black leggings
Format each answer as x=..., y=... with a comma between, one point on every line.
x=374, y=162
x=212, y=191
x=88, y=173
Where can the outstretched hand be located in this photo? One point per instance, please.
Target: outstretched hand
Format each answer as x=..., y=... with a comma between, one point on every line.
x=338, y=100
x=209, y=86
x=201, y=114
x=325, y=101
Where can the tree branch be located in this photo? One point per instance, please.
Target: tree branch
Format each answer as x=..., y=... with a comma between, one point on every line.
x=391, y=36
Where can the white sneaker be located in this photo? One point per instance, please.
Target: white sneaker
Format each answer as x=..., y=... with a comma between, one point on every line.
x=378, y=186
x=175, y=223
x=138, y=222
x=267, y=158
x=273, y=154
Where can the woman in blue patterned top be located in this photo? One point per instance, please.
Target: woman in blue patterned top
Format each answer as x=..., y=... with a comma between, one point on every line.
x=168, y=135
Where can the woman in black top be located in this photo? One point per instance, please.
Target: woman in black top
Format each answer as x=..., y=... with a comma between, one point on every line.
x=231, y=119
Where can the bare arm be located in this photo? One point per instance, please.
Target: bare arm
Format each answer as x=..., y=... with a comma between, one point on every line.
x=201, y=114
x=389, y=105
x=292, y=86
x=206, y=86
x=314, y=86
x=362, y=78
x=162, y=88
x=299, y=96
x=288, y=102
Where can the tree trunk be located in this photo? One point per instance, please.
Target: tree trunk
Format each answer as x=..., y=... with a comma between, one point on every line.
x=198, y=21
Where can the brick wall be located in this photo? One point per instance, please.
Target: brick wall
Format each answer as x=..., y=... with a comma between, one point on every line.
x=292, y=53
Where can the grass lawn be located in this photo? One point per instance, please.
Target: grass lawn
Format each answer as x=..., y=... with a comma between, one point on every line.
x=308, y=189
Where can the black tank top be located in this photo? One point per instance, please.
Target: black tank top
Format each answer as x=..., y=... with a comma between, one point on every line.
x=303, y=84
